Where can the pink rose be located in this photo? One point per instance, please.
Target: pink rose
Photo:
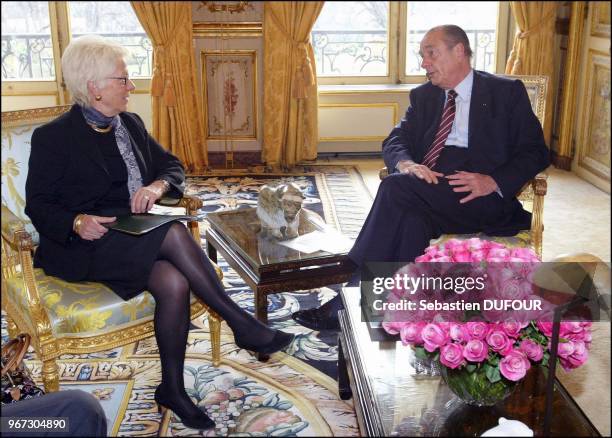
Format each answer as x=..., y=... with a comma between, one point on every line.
x=477, y=329
x=434, y=337
x=451, y=355
x=392, y=327
x=545, y=327
x=513, y=328
x=514, y=365
x=410, y=333
x=458, y=332
x=462, y=256
x=532, y=349
x=499, y=342
x=475, y=350
x=579, y=356
x=567, y=327
x=499, y=253
x=423, y=258
x=565, y=349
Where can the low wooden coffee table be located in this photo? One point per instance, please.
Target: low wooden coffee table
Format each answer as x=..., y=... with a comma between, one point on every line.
x=392, y=399
x=266, y=266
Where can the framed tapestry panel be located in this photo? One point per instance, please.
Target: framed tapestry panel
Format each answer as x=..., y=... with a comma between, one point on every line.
x=229, y=81
x=594, y=155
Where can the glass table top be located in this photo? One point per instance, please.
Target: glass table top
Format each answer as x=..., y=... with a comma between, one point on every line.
x=241, y=229
x=406, y=403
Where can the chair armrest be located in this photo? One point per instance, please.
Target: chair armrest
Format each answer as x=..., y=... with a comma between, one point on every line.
x=539, y=187
x=190, y=203
x=13, y=231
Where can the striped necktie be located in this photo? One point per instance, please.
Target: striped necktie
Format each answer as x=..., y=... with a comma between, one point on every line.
x=446, y=123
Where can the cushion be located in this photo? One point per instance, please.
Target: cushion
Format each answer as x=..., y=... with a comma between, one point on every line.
x=83, y=308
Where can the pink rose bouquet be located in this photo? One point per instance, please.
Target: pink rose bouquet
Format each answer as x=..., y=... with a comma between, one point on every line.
x=503, y=350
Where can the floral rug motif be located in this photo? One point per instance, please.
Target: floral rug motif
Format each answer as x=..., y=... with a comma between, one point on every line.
x=293, y=394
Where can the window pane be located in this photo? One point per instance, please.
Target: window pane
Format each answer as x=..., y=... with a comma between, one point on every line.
x=116, y=21
x=478, y=19
x=351, y=39
x=27, y=52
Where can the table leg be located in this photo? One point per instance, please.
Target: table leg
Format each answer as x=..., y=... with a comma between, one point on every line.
x=212, y=252
x=344, y=387
x=261, y=314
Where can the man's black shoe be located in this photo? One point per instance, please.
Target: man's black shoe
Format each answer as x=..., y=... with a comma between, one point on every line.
x=314, y=319
x=323, y=318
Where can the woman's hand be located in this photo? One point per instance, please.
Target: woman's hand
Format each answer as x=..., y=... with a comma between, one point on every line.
x=90, y=227
x=145, y=197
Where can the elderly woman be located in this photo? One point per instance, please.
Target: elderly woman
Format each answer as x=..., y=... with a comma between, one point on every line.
x=97, y=161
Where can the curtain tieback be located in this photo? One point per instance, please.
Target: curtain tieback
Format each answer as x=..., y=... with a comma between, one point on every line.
x=539, y=26
x=303, y=77
x=157, y=80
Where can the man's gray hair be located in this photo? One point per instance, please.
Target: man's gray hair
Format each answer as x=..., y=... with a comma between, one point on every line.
x=89, y=58
x=454, y=35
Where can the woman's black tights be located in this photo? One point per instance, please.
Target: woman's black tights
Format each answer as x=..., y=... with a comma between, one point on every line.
x=182, y=267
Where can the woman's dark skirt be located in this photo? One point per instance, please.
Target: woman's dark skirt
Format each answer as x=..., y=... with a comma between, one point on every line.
x=123, y=262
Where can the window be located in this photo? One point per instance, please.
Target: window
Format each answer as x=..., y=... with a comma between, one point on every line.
x=35, y=33
x=378, y=42
x=351, y=39
x=116, y=21
x=27, y=51
x=478, y=19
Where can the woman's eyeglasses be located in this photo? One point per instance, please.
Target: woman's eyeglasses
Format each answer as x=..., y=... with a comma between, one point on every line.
x=123, y=79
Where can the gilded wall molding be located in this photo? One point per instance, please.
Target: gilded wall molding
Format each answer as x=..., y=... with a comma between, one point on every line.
x=568, y=105
x=363, y=138
x=246, y=29
x=231, y=7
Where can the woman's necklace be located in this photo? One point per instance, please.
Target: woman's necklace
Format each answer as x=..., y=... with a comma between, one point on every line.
x=102, y=130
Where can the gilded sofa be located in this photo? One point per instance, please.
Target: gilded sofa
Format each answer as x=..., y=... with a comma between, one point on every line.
x=532, y=194
x=63, y=317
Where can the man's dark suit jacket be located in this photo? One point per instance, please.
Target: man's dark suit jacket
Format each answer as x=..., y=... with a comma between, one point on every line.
x=67, y=176
x=505, y=138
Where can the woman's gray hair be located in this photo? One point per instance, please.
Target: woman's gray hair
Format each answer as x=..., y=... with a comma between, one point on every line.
x=89, y=58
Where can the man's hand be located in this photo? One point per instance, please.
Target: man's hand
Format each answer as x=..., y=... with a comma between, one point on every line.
x=418, y=170
x=475, y=183
x=145, y=197
x=91, y=227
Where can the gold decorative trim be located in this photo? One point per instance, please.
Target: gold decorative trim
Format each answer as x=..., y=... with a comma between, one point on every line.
x=31, y=116
x=231, y=8
x=568, y=105
x=541, y=84
x=599, y=29
x=364, y=138
x=365, y=91
x=227, y=53
x=246, y=29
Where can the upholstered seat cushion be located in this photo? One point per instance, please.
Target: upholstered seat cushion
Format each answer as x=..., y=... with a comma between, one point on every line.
x=521, y=240
x=83, y=308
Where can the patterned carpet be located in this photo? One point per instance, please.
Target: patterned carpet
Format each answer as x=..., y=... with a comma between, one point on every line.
x=293, y=394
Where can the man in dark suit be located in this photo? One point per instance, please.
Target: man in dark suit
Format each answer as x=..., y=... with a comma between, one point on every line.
x=468, y=143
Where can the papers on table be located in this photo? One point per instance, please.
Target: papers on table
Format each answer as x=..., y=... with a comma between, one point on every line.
x=329, y=240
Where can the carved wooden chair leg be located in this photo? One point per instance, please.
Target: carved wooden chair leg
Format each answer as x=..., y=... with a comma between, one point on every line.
x=214, y=324
x=50, y=375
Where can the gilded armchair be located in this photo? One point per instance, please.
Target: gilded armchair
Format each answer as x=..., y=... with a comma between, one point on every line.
x=63, y=317
x=532, y=194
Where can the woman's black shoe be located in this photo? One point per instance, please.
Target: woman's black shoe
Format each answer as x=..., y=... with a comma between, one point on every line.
x=278, y=342
x=193, y=420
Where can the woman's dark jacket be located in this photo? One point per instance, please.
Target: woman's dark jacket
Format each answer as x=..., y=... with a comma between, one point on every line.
x=67, y=175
